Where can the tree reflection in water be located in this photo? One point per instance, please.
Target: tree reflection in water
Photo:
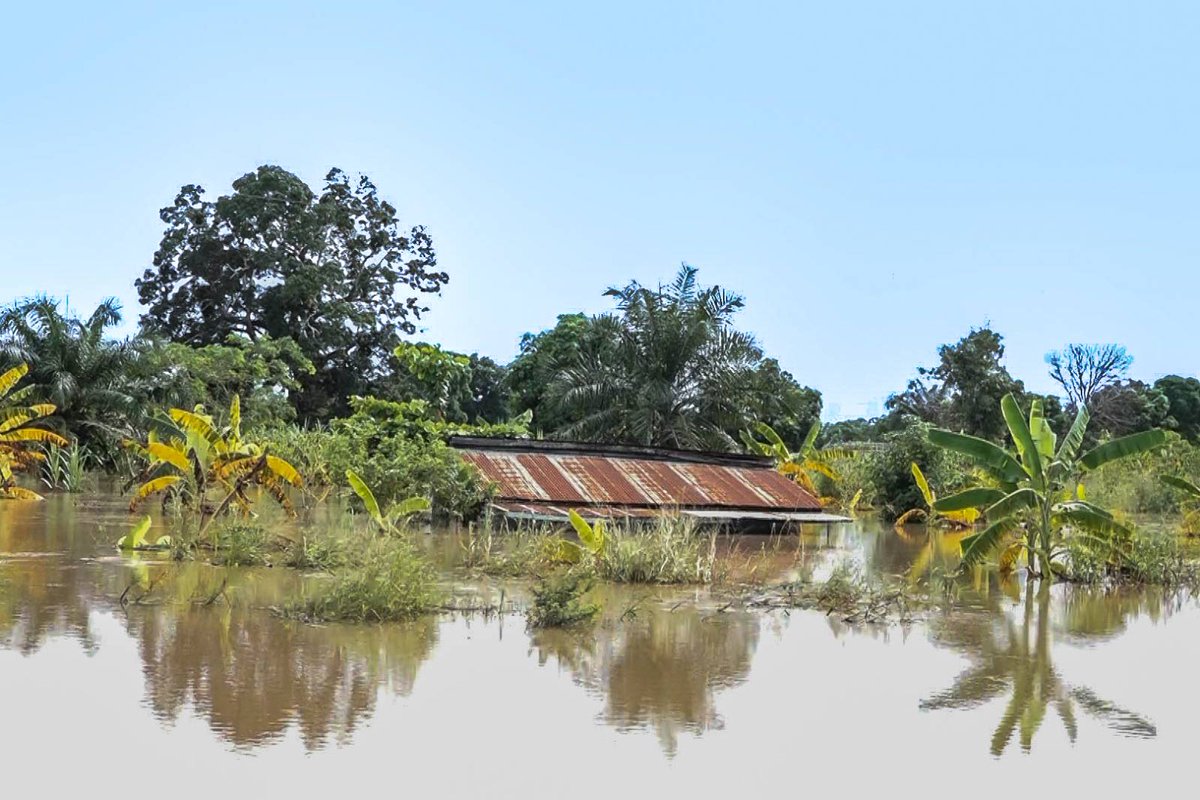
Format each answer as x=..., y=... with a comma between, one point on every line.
x=1011, y=656
x=661, y=670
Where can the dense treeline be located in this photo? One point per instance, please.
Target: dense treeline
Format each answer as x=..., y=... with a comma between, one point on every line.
x=302, y=303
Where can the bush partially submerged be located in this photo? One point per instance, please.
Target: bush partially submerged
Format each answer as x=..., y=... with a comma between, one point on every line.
x=1150, y=557
x=391, y=582
x=558, y=602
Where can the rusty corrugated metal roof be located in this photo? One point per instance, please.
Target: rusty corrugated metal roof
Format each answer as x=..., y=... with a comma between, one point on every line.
x=570, y=475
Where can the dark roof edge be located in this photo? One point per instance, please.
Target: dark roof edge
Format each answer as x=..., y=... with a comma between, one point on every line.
x=559, y=447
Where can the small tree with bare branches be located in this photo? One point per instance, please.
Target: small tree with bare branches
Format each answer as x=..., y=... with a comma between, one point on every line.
x=1084, y=369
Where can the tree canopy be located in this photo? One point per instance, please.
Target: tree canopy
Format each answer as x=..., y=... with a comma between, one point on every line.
x=333, y=270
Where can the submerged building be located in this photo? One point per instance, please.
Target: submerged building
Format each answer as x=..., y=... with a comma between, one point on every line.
x=544, y=480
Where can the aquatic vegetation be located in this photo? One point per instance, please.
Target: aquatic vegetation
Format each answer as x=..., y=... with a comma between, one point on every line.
x=136, y=538
x=1036, y=505
x=64, y=468
x=399, y=512
x=558, y=601
x=853, y=597
x=203, y=456
x=669, y=549
x=21, y=425
x=520, y=551
x=240, y=543
x=1150, y=558
x=392, y=582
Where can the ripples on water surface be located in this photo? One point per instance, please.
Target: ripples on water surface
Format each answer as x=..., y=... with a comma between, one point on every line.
x=1014, y=690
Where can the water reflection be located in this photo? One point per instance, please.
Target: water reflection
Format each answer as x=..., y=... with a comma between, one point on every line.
x=661, y=670
x=1011, y=654
x=254, y=676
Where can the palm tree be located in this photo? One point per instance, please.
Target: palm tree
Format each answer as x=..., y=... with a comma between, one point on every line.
x=20, y=426
x=73, y=366
x=1036, y=502
x=669, y=371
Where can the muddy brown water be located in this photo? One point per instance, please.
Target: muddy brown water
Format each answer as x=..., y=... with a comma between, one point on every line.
x=673, y=693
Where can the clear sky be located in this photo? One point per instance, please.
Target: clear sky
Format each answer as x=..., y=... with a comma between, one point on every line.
x=876, y=178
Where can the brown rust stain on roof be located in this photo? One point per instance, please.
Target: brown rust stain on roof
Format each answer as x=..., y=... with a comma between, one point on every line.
x=622, y=480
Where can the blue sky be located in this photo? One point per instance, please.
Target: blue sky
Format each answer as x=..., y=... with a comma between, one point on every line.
x=876, y=178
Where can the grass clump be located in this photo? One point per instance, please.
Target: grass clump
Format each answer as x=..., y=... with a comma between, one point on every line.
x=671, y=549
x=558, y=601
x=846, y=594
x=391, y=582
x=522, y=551
x=240, y=543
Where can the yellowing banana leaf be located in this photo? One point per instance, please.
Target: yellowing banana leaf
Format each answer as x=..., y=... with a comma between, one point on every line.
x=158, y=451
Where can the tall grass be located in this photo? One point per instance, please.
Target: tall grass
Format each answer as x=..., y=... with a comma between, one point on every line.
x=670, y=549
x=388, y=580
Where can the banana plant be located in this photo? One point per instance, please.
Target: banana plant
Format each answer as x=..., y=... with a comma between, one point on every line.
x=21, y=425
x=799, y=465
x=963, y=518
x=1036, y=503
x=136, y=538
x=593, y=540
x=389, y=522
x=202, y=456
x=1191, y=519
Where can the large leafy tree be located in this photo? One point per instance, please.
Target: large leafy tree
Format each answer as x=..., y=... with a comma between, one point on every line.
x=672, y=370
x=547, y=354
x=1183, y=400
x=964, y=390
x=331, y=269
x=74, y=366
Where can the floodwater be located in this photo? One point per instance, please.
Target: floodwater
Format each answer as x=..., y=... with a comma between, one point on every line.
x=674, y=693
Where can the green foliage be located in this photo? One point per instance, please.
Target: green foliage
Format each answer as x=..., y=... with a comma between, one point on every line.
x=669, y=549
x=1041, y=507
x=261, y=372
x=391, y=581
x=64, y=467
x=1152, y=558
x=889, y=470
x=399, y=450
x=72, y=366
x=558, y=602
x=1183, y=405
x=136, y=538
x=240, y=543
x=333, y=270
x=667, y=369
x=543, y=357
x=389, y=521
x=460, y=388
x=963, y=391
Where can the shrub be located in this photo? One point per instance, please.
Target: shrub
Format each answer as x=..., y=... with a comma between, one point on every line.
x=558, y=602
x=393, y=582
x=240, y=543
x=888, y=472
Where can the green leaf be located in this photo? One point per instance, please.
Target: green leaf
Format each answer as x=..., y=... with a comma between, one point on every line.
x=592, y=536
x=1043, y=434
x=367, y=496
x=971, y=498
x=136, y=538
x=996, y=460
x=1088, y=518
x=1026, y=447
x=1011, y=503
x=1182, y=483
x=923, y=485
x=1071, y=444
x=1123, y=447
x=409, y=506
x=979, y=546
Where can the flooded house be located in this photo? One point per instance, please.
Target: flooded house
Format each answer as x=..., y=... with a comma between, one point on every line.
x=543, y=481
